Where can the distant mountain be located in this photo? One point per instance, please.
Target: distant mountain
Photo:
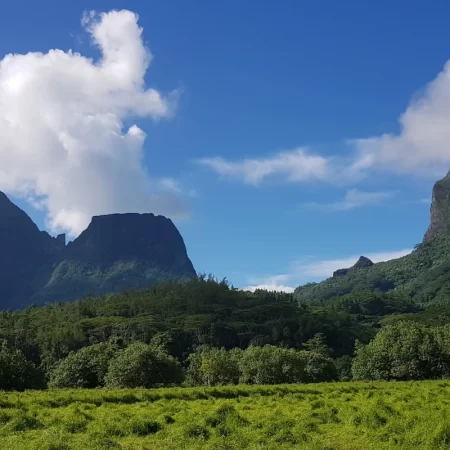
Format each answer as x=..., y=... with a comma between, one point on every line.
x=423, y=275
x=116, y=252
x=362, y=263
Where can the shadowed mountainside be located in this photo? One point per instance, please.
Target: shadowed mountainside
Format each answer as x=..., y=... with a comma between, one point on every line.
x=115, y=252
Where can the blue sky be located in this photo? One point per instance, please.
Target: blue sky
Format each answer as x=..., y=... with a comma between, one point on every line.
x=285, y=138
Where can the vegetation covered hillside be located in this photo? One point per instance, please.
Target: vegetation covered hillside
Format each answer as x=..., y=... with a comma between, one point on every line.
x=424, y=275
x=199, y=311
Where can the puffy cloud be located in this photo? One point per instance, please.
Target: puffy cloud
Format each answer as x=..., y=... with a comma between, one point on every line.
x=63, y=143
x=296, y=165
x=422, y=146
x=355, y=199
x=274, y=283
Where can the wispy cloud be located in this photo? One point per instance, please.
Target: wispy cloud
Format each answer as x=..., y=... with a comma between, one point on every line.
x=420, y=148
x=420, y=201
x=317, y=270
x=354, y=199
x=297, y=165
x=176, y=187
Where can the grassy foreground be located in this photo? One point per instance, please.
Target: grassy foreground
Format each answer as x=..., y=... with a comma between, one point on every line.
x=333, y=416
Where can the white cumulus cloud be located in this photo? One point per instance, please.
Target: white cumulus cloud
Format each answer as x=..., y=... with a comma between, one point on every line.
x=423, y=144
x=64, y=145
x=273, y=283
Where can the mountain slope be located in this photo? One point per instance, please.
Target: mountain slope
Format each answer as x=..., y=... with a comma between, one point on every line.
x=24, y=251
x=423, y=275
x=119, y=251
x=116, y=252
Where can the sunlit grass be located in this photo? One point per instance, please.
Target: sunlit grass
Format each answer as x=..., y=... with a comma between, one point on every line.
x=335, y=416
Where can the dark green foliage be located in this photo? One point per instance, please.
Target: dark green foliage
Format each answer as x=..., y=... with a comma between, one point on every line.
x=85, y=368
x=142, y=365
x=286, y=341
x=343, y=367
x=181, y=316
x=16, y=373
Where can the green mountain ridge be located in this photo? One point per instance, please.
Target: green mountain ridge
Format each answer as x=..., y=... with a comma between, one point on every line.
x=423, y=275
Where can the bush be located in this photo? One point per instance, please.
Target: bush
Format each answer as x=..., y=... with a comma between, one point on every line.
x=272, y=365
x=404, y=351
x=85, y=368
x=142, y=365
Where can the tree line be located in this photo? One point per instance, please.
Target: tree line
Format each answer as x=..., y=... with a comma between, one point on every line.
x=205, y=332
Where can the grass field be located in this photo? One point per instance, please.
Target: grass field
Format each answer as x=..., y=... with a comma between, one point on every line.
x=333, y=416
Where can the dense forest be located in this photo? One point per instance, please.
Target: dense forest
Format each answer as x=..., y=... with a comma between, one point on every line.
x=205, y=331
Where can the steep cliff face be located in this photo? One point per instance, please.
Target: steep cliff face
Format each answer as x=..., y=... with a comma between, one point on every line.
x=119, y=251
x=116, y=252
x=440, y=209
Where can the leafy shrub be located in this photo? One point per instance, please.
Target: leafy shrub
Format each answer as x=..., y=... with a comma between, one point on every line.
x=142, y=365
x=85, y=368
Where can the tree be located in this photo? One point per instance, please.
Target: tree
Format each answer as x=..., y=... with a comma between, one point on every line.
x=213, y=366
x=142, y=365
x=85, y=368
x=271, y=365
x=404, y=351
x=16, y=373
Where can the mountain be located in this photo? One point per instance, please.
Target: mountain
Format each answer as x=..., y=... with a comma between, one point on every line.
x=423, y=275
x=24, y=250
x=116, y=252
x=362, y=263
x=440, y=209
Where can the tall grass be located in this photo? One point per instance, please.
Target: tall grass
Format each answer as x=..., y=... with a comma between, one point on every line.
x=335, y=416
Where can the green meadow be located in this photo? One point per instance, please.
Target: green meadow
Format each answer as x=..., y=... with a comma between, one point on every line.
x=329, y=416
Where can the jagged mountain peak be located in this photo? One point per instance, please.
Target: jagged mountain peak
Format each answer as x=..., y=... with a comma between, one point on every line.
x=363, y=262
